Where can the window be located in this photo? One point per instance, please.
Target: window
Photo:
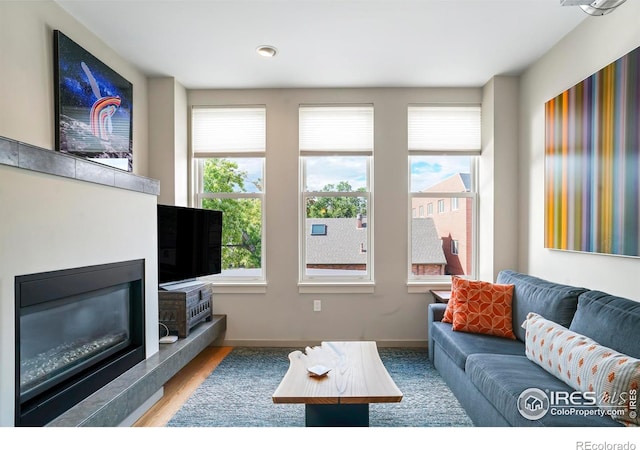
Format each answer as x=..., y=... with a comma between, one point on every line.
x=444, y=144
x=318, y=229
x=336, y=149
x=229, y=154
x=421, y=209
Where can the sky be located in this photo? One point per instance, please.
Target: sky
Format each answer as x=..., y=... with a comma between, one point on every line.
x=321, y=171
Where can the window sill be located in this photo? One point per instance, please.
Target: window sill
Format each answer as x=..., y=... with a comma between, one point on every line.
x=239, y=287
x=423, y=287
x=307, y=287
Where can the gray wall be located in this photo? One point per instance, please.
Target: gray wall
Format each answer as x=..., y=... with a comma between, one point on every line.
x=390, y=312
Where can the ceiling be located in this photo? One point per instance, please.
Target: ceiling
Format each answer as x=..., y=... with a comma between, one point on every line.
x=328, y=43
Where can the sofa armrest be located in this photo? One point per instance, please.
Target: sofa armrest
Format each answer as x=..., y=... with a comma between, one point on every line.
x=435, y=313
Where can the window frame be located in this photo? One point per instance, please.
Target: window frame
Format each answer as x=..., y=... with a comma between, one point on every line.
x=335, y=283
x=472, y=194
x=304, y=278
x=454, y=246
x=249, y=282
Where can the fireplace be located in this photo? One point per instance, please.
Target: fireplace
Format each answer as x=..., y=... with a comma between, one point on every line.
x=76, y=330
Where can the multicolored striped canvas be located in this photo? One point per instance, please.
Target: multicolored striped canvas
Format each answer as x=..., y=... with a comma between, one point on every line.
x=592, y=162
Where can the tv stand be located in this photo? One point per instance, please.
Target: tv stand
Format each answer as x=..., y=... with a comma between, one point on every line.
x=184, y=307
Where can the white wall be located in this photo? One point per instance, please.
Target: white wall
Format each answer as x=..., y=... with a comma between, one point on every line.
x=26, y=75
x=283, y=315
x=50, y=223
x=46, y=222
x=168, y=139
x=595, y=43
x=498, y=186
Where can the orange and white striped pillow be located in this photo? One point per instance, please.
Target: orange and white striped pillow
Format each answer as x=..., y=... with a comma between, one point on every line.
x=586, y=366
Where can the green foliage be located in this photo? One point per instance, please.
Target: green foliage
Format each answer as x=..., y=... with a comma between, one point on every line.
x=242, y=218
x=337, y=207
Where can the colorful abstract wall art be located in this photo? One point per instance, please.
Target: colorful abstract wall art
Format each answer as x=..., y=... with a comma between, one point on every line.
x=93, y=107
x=592, y=162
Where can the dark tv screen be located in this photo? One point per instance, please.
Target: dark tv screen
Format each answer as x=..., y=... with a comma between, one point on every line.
x=189, y=243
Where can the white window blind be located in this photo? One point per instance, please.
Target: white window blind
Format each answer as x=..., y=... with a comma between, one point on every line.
x=445, y=128
x=337, y=129
x=228, y=130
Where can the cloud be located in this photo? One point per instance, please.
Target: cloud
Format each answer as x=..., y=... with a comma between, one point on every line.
x=427, y=171
x=321, y=171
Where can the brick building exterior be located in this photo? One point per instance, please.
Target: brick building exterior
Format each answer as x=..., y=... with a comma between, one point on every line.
x=453, y=221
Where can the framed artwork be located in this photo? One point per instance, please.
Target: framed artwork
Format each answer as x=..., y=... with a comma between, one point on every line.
x=592, y=162
x=93, y=107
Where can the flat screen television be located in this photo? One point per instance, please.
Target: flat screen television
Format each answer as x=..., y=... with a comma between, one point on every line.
x=189, y=243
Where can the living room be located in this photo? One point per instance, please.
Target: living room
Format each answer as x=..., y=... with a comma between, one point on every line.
x=53, y=224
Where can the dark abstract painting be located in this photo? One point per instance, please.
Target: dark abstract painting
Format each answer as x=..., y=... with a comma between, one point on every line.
x=93, y=107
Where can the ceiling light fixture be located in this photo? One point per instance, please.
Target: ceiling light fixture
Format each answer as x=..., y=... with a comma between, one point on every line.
x=268, y=51
x=594, y=7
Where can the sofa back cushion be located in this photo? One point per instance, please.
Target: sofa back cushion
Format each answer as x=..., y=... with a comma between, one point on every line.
x=611, y=321
x=556, y=302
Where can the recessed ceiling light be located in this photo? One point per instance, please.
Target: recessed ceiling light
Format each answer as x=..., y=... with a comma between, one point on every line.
x=268, y=51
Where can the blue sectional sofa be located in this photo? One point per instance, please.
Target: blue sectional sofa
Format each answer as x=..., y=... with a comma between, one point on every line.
x=488, y=374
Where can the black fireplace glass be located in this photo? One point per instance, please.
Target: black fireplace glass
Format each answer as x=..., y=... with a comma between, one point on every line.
x=61, y=338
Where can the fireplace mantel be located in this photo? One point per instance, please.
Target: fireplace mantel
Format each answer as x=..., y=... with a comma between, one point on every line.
x=61, y=212
x=18, y=154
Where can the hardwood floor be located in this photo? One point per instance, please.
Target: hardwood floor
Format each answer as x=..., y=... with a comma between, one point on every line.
x=181, y=386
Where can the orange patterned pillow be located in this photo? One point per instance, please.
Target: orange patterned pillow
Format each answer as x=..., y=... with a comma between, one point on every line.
x=484, y=308
x=456, y=282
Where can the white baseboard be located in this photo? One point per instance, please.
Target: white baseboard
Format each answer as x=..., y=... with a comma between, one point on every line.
x=308, y=343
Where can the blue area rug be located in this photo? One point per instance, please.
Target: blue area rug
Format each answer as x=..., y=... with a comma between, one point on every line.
x=238, y=393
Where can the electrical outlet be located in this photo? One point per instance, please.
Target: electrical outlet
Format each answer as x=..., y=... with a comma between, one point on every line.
x=317, y=305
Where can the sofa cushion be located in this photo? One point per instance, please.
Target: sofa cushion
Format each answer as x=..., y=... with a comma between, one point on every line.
x=556, y=302
x=483, y=308
x=458, y=346
x=585, y=365
x=611, y=321
x=503, y=378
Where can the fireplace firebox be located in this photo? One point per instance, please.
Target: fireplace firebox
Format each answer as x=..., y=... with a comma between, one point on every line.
x=76, y=330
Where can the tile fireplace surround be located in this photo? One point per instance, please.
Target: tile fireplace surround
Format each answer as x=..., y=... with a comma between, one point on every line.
x=121, y=401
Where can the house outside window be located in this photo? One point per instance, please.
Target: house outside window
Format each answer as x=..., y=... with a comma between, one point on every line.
x=444, y=145
x=336, y=151
x=229, y=149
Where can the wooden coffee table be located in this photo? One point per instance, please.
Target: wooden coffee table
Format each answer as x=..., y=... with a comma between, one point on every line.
x=341, y=397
